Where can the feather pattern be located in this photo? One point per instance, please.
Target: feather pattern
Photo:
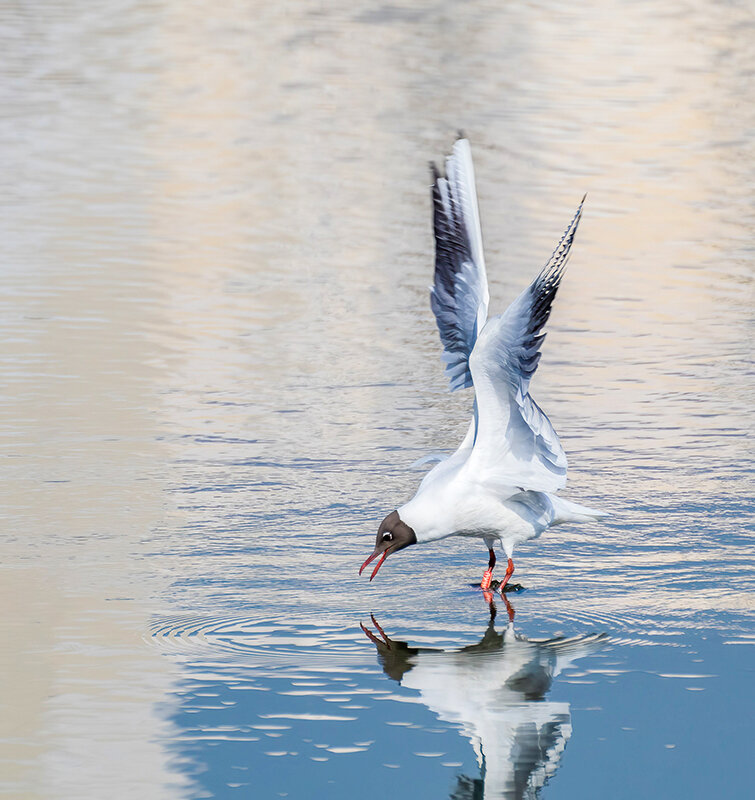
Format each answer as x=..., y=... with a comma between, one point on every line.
x=459, y=295
x=515, y=443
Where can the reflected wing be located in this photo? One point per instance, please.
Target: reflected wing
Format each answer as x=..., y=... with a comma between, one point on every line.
x=515, y=443
x=459, y=295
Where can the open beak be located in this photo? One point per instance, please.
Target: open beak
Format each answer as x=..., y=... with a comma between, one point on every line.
x=372, y=558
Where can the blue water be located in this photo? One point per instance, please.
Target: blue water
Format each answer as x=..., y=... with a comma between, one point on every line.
x=327, y=727
x=219, y=365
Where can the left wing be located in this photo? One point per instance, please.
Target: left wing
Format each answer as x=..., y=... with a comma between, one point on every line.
x=459, y=295
x=515, y=444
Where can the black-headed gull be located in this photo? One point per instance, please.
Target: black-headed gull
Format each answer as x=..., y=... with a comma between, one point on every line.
x=500, y=483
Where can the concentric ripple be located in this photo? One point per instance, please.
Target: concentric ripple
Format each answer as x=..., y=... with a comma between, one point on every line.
x=261, y=639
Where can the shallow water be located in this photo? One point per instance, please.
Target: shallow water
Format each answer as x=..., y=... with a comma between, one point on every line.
x=219, y=363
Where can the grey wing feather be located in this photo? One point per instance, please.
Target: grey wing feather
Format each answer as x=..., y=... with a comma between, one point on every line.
x=533, y=307
x=459, y=295
x=515, y=442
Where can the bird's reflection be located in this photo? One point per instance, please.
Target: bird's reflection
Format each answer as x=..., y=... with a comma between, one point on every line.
x=495, y=691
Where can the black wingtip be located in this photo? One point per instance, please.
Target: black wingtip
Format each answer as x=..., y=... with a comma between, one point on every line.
x=460, y=134
x=433, y=170
x=584, y=197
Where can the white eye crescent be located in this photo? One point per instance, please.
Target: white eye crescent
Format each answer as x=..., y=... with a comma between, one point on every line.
x=387, y=537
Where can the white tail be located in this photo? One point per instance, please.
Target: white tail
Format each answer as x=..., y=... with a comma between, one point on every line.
x=566, y=511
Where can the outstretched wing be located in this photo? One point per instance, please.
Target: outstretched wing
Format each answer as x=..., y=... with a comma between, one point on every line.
x=459, y=295
x=515, y=444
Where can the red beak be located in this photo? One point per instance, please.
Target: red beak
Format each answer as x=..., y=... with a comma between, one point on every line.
x=379, y=564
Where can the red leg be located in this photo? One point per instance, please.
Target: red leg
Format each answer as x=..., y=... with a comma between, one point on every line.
x=509, y=573
x=488, y=575
x=509, y=607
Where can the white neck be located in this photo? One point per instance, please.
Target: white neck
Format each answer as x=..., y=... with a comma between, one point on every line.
x=423, y=521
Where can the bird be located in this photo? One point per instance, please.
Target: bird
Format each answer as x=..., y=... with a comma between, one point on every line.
x=500, y=484
x=495, y=693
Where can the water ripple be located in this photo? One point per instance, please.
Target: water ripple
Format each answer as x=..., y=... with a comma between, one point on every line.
x=262, y=639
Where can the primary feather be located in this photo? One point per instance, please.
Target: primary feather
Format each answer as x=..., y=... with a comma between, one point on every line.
x=515, y=443
x=459, y=295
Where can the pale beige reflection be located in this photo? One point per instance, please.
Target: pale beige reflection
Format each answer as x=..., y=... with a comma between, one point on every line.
x=79, y=688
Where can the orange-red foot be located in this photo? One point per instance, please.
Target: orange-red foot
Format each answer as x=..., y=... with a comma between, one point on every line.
x=486, y=579
x=488, y=575
x=509, y=573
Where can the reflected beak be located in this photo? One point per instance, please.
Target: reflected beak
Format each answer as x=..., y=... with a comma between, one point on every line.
x=372, y=558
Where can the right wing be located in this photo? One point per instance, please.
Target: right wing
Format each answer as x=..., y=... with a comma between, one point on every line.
x=453, y=463
x=459, y=295
x=515, y=444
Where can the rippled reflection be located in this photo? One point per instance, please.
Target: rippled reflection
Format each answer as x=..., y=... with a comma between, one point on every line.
x=259, y=690
x=495, y=690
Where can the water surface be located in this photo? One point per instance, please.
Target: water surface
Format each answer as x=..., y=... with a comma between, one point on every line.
x=219, y=363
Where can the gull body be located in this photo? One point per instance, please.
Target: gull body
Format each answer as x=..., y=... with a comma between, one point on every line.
x=500, y=484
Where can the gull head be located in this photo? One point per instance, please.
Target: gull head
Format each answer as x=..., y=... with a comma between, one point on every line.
x=392, y=535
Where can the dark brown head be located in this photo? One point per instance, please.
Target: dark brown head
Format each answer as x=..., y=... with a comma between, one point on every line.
x=392, y=535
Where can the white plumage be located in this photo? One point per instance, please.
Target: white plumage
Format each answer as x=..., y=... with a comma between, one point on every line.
x=499, y=484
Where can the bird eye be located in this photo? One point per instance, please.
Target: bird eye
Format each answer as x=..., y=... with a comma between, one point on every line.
x=387, y=537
